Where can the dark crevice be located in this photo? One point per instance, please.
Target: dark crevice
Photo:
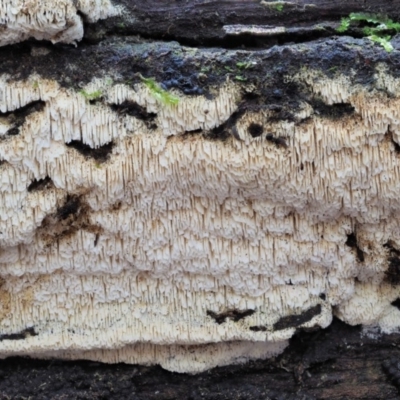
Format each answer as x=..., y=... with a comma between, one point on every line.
x=396, y=303
x=101, y=154
x=135, y=110
x=352, y=242
x=258, y=328
x=228, y=128
x=293, y=321
x=17, y=117
x=20, y=335
x=245, y=40
x=392, y=274
x=255, y=130
x=332, y=111
x=193, y=132
x=41, y=184
x=389, y=137
x=278, y=141
x=234, y=315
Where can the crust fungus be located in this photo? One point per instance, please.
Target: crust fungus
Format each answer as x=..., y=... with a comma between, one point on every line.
x=59, y=21
x=160, y=246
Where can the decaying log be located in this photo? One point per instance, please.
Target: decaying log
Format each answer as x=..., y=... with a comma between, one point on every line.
x=196, y=207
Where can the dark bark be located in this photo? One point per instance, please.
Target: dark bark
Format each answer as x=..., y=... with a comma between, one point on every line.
x=202, y=22
x=336, y=363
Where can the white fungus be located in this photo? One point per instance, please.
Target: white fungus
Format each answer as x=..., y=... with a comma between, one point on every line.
x=186, y=251
x=55, y=20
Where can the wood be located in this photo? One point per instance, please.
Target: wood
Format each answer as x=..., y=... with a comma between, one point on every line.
x=201, y=22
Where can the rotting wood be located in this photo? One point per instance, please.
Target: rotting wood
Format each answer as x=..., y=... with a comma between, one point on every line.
x=316, y=365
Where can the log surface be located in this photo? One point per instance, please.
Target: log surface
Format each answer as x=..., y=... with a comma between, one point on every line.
x=337, y=363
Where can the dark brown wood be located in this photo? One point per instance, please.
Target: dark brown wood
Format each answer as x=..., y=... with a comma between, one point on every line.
x=203, y=21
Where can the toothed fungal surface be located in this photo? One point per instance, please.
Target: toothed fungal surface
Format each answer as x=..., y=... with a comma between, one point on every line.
x=59, y=21
x=200, y=233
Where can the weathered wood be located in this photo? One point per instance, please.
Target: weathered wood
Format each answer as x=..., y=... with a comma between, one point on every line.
x=202, y=22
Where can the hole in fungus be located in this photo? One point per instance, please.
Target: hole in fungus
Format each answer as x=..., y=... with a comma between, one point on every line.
x=352, y=242
x=293, y=321
x=278, y=141
x=392, y=274
x=255, y=130
x=17, y=117
x=100, y=154
x=135, y=110
x=40, y=184
x=235, y=315
x=20, y=335
x=71, y=206
x=396, y=303
x=322, y=296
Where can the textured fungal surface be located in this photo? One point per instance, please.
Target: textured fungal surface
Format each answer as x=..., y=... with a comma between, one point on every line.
x=201, y=226
x=59, y=21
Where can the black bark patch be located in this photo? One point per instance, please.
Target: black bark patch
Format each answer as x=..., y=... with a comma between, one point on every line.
x=278, y=141
x=17, y=117
x=293, y=321
x=392, y=274
x=71, y=206
x=332, y=111
x=135, y=110
x=352, y=242
x=391, y=368
x=101, y=154
x=41, y=184
x=20, y=335
x=255, y=130
x=235, y=315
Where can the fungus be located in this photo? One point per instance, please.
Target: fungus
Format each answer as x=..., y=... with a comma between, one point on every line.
x=54, y=20
x=194, y=252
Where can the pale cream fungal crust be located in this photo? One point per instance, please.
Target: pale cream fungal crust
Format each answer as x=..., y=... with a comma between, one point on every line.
x=146, y=242
x=55, y=20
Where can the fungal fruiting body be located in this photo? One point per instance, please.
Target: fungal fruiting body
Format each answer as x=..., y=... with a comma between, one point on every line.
x=128, y=241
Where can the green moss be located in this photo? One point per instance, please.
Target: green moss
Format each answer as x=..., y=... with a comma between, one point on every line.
x=92, y=95
x=160, y=94
x=378, y=29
